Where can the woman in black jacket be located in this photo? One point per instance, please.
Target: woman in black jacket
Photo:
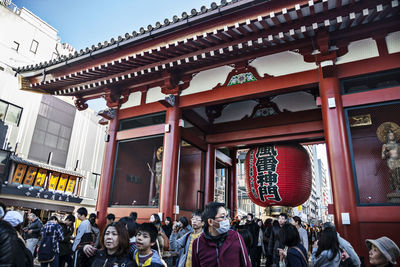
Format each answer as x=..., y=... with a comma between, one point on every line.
x=12, y=249
x=167, y=227
x=296, y=255
x=114, y=245
x=274, y=243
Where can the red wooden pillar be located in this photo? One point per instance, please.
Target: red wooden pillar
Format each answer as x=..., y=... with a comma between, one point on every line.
x=170, y=166
x=232, y=185
x=103, y=197
x=210, y=174
x=343, y=188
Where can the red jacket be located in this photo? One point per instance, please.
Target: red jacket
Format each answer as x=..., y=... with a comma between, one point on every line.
x=232, y=253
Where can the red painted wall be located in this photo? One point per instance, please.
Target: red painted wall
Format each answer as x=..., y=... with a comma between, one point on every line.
x=190, y=173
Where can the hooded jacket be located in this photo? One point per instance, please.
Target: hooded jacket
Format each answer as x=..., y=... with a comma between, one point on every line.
x=344, y=244
x=232, y=252
x=12, y=249
x=154, y=261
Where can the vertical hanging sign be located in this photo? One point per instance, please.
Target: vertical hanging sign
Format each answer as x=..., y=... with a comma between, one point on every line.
x=54, y=180
x=19, y=173
x=40, y=178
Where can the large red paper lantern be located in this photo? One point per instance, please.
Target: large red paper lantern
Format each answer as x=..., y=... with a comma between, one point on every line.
x=278, y=175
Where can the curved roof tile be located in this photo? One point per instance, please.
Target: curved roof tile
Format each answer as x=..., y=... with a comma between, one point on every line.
x=134, y=34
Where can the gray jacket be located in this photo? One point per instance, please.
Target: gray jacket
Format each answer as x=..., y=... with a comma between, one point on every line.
x=181, y=245
x=323, y=259
x=35, y=226
x=344, y=244
x=84, y=227
x=303, y=237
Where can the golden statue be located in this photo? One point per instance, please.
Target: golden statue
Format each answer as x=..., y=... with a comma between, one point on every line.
x=389, y=134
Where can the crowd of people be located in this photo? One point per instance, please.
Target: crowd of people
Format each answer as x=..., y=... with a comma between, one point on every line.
x=210, y=238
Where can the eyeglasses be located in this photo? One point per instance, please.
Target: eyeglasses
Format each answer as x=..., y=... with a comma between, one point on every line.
x=223, y=217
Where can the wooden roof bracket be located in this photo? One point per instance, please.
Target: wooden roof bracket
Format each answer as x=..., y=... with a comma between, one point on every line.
x=323, y=54
x=173, y=84
x=115, y=98
x=80, y=103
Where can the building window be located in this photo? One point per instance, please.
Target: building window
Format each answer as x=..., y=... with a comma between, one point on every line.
x=15, y=46
x=10, y=113
x=52, y=132
x=94, y=181
x=34, y=46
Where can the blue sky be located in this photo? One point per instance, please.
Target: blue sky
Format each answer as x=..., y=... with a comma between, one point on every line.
x=87, y=22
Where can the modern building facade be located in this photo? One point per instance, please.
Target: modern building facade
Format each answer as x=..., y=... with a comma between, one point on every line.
x=54, y=152
x=237, y=75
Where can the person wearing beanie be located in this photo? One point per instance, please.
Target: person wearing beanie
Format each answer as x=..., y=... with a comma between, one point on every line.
x=383, y=252
x=14, y=218
x=13, y=251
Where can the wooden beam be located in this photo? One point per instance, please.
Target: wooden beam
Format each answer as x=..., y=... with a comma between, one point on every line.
x=223, y=158
x=140, y=110
x=371, y=97
x=258, y=88
x=274, y=120
x=295, y=128
x=140, y=132
x=192, y=139
x=196, y=120
x=316, y=136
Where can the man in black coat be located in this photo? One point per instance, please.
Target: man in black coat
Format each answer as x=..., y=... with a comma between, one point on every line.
x=66, y=245
x=254, y=229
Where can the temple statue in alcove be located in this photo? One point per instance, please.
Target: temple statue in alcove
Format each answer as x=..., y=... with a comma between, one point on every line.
x=389, y=134
x=155, y=180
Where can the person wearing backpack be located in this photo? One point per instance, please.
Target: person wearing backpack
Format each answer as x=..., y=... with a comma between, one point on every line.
x=49, y=250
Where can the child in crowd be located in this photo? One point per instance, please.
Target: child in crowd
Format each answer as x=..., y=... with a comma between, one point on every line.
x=145, y=256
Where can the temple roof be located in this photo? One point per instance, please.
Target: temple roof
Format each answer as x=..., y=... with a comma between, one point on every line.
x=215, y=36
x=149, y=32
